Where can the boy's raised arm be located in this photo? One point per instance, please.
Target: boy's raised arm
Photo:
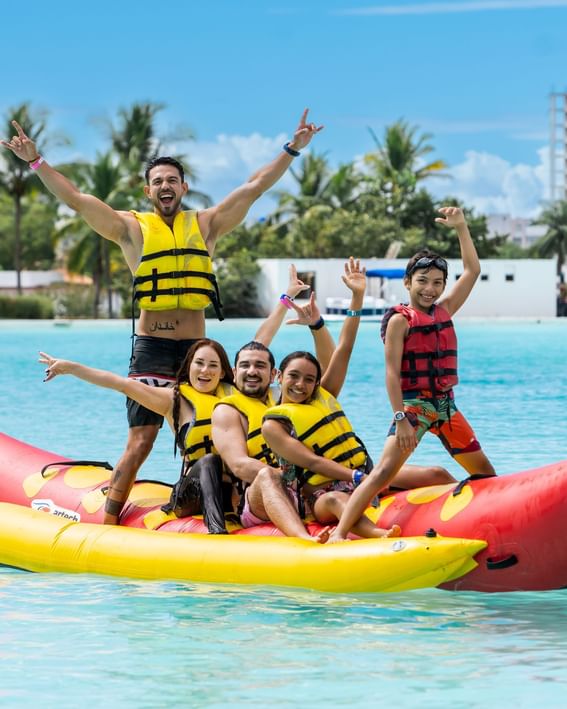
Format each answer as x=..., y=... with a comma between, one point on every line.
x=454, y=217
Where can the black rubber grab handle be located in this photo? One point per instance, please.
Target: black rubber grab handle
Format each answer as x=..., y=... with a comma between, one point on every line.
x=505, y=563
x=94, y=463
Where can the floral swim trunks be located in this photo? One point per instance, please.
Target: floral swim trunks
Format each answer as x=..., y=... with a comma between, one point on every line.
x=439, y=415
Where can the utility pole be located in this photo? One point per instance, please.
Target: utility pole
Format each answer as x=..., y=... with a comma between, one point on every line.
x=558, y=147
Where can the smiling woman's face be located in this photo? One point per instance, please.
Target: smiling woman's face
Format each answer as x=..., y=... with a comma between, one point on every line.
x=298, y=381
x=205, y=371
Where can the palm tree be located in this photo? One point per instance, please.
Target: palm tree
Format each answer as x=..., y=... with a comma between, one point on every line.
x=396, y=164
x=318, y=186
x=86, y=251
x=135, y=140
x=554, y=241
x=16, y=179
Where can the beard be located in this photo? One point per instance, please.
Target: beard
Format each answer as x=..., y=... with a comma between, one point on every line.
x=167, y=210
x=255, y=390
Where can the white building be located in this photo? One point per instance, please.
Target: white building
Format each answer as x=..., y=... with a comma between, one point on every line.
x=506, y=288
x=522, y=232
x=31, y=281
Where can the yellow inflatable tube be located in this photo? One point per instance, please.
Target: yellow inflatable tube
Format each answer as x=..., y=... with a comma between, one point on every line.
x=37, y=541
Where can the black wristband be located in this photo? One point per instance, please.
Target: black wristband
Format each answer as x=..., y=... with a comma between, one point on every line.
x=318, y=325
x=291, y=151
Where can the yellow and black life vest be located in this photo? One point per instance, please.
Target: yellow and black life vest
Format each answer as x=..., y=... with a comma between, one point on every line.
x=197, y=439
x=323, y=427
x=254, y=410
x=175, y=270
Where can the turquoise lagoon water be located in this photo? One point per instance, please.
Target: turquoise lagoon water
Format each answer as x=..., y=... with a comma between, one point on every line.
x=103, y=642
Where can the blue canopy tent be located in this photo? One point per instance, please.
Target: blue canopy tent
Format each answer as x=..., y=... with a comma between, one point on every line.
x=386, y=273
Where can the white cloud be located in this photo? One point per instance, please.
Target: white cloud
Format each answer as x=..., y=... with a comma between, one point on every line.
x=224, y=164
x=487, y=182
x=493, y=185
x=436, y=8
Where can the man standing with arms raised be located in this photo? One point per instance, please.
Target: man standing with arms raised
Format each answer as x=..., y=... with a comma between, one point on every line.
x=169, y=253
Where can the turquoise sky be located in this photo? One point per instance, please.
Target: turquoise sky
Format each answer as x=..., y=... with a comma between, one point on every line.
x=476, y=74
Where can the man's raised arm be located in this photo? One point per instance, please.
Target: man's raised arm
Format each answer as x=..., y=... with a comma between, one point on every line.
x=229, y=213
x=99, y=216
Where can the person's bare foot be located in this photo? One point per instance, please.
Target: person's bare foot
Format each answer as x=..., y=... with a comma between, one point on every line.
x=394, y=531
x=323, y=536
x=336, y=538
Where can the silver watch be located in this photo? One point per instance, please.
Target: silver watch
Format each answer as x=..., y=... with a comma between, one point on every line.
x=399, y=415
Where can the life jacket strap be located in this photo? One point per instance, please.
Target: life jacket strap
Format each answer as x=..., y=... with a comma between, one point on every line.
x=321, y=450
x=206, y=444
x=155, y=276
x=349, y=454
x=322, y=422
x=426, y=355
x=175, y=252
x=428, y=329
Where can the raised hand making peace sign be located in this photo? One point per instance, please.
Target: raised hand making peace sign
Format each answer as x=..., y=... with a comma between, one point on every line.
x=22, y=146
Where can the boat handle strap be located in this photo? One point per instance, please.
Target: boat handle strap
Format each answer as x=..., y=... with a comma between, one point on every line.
x=69, y=463
x=505, y=563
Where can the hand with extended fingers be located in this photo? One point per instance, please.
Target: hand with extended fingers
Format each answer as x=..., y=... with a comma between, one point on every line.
x=304, y=132
x=355, y=276
x=307, y=314
x=22, y=146
x=54, y=366
x=295, y=285
x=452, y=216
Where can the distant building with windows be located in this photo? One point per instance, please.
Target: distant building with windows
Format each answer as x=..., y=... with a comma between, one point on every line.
x=506, y=287
x=520, y=231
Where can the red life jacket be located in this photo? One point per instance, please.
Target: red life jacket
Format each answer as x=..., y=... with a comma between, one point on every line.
x=429, y=359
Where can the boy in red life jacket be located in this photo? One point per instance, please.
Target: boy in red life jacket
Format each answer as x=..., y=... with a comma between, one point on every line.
x=421, y=371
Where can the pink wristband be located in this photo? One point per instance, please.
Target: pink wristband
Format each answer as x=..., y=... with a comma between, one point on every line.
x=285, y=300
x=36, y=163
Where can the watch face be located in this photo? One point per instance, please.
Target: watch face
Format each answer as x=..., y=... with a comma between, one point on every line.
x=399, y=416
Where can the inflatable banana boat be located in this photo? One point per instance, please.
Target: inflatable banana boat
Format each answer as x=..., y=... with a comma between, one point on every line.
x=522, y=518
x=150, y=544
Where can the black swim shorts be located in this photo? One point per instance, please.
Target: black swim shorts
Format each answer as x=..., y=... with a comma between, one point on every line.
x=155, y=361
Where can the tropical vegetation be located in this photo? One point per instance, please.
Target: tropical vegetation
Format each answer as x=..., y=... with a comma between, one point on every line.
x=370, y=207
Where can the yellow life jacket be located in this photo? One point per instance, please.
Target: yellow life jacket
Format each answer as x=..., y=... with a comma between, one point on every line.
x=323, y=427
x=224, y=389
x=254, y=410
x=176, y=270
x=197, y=440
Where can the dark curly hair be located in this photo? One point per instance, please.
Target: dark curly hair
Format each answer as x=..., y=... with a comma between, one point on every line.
x=163, y=160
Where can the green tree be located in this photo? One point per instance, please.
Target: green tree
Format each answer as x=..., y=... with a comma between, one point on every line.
x=134, y=137
x=318, y=185
x=554, y=241
x=86, y=251
x=135, y=140
x=312, y=180
x=445, y=241
x=397, y=164
x=237, y=276
x=17, y=181
x=37, y=228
